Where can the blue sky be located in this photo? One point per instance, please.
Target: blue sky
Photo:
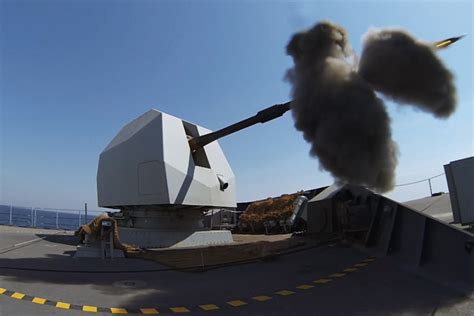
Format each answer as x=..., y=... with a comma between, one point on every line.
x=74, y=72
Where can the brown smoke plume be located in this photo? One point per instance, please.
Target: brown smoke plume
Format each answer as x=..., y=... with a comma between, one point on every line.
x=408, y=71
x=338, y=112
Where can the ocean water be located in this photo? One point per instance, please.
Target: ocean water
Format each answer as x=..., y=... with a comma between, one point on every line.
x=44, y=218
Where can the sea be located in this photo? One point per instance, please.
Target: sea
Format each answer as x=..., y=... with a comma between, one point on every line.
x=45, y=218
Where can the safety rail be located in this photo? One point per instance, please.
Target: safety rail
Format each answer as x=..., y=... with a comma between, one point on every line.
x=66, y=219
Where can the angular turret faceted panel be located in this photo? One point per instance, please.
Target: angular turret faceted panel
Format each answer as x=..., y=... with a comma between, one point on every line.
x=150, y=162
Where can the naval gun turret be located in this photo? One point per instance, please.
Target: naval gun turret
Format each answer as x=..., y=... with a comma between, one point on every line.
x=163, y=173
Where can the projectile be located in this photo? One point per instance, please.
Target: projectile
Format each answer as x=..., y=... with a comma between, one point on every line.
x=446, y=42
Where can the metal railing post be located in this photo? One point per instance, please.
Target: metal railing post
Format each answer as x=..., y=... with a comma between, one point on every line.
x=85, y=214
x=79, y=217
x=11, y=214
x=431, y=190
x=32, y=216
x=57, y=219
x=35, y=217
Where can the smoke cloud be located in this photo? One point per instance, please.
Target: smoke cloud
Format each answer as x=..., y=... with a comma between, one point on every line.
x=407, y=71
x=338, y=111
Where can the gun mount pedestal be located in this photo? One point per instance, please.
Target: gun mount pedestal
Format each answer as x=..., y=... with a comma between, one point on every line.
x=162, y=227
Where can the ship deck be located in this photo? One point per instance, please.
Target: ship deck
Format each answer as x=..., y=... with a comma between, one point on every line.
x=39, y=276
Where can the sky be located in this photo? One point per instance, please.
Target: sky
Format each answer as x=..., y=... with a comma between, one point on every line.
x=74, y=72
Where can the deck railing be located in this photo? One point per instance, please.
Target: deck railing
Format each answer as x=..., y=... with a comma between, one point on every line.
x=67, y=219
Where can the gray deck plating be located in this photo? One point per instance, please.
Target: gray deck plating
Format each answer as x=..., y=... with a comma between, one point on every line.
x=373, y=289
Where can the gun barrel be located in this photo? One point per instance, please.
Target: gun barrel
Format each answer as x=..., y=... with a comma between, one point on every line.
x=263, y=116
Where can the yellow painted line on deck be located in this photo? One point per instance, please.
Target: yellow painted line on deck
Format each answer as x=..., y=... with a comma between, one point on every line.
x=63, y=305
x=149, y=311
x=209, y=307
x=204, y=307
x=179, y=309
x=337, y=275
x=285, y=293
x=90, y=309
x=118, y=310
x=322, y=281
x=236, y=303
x=17, y=295
x=38, y=300
x=262, y=298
